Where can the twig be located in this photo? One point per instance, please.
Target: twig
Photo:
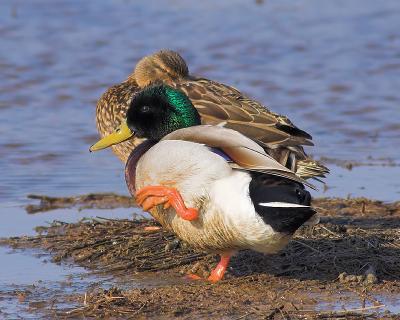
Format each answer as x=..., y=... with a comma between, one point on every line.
x=75, y=310
x=141, y=307
x=243, y=316
x=274, y=312
x=306, y=245
x=331, y=232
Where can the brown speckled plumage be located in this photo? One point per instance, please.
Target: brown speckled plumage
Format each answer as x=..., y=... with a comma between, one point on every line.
x=217, y=104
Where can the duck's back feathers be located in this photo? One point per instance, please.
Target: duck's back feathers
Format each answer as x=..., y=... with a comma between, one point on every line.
x=219, y=103
x=245, y=153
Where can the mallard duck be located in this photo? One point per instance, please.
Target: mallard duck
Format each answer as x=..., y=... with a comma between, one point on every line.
x=217, y=104
x=212, y=186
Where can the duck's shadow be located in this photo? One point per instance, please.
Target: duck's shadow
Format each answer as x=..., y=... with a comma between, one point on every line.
x=333, y=247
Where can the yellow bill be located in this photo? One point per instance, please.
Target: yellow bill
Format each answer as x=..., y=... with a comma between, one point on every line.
x=122, y=133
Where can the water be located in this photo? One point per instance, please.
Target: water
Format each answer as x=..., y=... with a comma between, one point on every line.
x=31, y=270
x=332, y=67
x=349, y=301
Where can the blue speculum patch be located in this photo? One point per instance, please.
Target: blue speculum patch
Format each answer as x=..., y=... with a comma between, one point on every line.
x=222, y=154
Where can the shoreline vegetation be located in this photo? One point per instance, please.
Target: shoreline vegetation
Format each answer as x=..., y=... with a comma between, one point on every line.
x=350, y=259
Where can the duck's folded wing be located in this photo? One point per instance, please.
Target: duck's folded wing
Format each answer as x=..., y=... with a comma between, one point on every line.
x=218, y=103
x=244, y=152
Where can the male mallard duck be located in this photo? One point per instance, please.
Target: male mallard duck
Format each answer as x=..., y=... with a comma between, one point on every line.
x=213, y=187
x=218, y=104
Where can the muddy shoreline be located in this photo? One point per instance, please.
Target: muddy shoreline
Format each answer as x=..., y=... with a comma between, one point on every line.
x=340, y=268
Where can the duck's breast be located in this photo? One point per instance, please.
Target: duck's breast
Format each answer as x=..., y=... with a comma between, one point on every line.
x=187, y=166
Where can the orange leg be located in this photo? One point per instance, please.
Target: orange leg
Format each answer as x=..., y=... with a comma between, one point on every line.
x=218, y=272
x=151, y=196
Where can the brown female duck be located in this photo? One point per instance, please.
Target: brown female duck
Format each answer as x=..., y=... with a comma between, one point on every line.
x=217, y=104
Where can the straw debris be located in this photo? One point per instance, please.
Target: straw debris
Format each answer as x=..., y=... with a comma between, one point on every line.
x=354, y=250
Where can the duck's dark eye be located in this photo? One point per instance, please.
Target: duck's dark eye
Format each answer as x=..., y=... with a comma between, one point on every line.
x=145, y=108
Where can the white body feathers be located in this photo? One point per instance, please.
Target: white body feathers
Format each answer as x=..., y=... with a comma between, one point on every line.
x=227, y=218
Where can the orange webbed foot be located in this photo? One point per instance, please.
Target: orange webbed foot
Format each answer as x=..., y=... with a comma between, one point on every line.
x=151, y=196
x=218, y=272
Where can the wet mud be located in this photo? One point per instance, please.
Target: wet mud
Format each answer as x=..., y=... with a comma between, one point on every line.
x=345, y=267
x=86, y=201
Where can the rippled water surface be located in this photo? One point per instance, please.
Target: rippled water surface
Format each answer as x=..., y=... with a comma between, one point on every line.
x=332, y=66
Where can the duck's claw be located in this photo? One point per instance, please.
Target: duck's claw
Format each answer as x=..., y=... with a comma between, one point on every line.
x=192, y=276
x=151, y=196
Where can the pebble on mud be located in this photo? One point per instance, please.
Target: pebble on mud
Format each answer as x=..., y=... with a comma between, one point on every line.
x=369, y=278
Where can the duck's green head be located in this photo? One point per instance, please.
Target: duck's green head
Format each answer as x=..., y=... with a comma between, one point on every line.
x=159, y=110
x=154, y=112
